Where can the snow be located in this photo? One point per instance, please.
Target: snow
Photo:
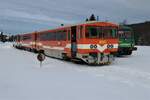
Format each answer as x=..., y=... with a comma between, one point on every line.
x=21, y=77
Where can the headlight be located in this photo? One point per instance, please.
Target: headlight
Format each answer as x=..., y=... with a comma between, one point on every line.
x=110, y=46
x=93, y=46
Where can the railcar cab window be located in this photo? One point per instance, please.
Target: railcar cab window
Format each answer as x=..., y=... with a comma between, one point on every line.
x=100, y=32
x=93, y=32
x=109, y=32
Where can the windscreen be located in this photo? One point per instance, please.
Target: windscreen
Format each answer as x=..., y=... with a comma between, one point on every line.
x=100, y=32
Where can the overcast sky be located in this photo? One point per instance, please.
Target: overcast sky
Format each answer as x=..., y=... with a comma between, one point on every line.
x=29, y=15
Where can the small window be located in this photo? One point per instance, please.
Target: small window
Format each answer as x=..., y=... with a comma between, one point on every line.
x=53, y=36
x=64, y=35
x=69, y=35
x=81, y=34
x=114, y=31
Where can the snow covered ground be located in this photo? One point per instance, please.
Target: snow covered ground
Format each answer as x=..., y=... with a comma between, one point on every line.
x=21, y=77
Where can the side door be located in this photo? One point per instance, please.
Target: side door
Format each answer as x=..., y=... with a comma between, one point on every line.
x=73, y=41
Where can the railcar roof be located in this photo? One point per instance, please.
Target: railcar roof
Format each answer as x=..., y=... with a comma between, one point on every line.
x=91, y=23
x=85, y=23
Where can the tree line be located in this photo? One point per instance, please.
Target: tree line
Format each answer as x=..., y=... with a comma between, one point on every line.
x=6, y=38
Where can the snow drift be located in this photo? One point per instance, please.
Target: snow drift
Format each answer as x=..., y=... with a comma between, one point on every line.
x=21, y=77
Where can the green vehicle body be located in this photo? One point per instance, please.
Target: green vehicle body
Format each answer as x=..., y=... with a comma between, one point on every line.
x=126, y=40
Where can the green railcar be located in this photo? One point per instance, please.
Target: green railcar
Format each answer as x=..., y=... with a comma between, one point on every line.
x=126, y=40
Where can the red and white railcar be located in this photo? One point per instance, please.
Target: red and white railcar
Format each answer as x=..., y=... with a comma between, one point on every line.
x=26, y=41
x=92, y=42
